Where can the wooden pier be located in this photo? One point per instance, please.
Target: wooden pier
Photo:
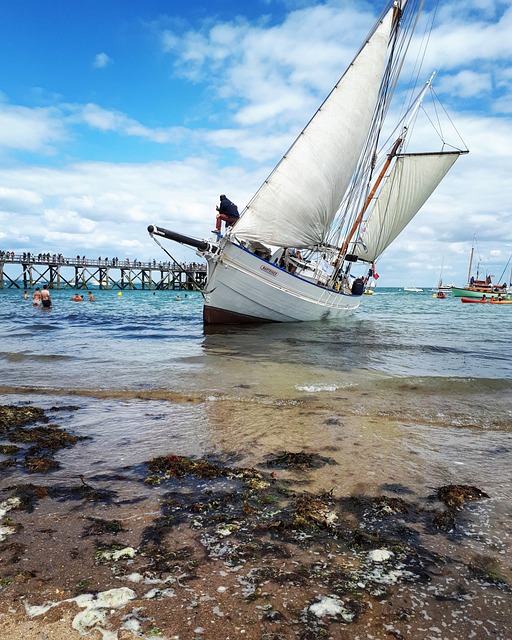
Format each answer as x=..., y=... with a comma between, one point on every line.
x=26, y=271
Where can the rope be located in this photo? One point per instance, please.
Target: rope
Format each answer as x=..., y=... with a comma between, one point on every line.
x=179, y=265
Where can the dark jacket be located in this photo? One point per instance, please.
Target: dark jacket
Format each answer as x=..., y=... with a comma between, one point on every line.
x=228, y=208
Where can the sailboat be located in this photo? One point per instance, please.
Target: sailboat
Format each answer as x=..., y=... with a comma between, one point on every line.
x=476, y=288
x=338, y=195
x=442, y=289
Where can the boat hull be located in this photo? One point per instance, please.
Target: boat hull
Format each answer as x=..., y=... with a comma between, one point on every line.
x=486, y=301
x=474, y=300
x=244, y=288
x=475, y=292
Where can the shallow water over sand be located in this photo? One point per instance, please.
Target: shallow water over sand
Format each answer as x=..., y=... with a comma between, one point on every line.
x=404, y=398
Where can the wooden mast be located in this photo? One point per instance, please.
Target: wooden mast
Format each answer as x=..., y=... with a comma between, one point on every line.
x=359, y=218
x=382, y=174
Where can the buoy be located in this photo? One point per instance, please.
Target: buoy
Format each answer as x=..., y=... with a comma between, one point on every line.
x=120, y=294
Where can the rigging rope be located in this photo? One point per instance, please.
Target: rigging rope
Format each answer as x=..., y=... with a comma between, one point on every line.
x=179, y=265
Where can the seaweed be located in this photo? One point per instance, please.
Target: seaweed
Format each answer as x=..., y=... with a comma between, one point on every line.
x=98, y=527
x=455, y=496
x=39, y=443
x=12, y=417
x=300, y=460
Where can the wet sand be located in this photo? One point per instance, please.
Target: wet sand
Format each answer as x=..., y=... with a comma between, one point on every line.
x=344, y=531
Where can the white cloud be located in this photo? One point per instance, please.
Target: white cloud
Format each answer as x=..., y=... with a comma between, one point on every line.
x=105, y=120
x=34, y=130
x=67, y=221
x=101, y=60
x=15, y=199
x=100, y=207
x=465, y=84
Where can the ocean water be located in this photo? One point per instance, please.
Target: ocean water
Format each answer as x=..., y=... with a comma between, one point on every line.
x=143, y=340
x=409, y=391
x=146, y=340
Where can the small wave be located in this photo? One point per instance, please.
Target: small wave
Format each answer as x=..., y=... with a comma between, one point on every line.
x=41, y=327
x=20, y=357
x=316, y=388
x=104, y=394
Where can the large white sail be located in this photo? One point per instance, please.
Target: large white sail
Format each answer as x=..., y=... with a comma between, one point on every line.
x=298, y=202
x=412, y=180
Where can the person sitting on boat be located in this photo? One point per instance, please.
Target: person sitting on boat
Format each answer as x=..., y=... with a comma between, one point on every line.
x=227, y=211
x=287, y=261
x=500, y=297
x=484, y=298
x=358, y=286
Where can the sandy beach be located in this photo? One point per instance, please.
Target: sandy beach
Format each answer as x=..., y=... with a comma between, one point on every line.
x=211, y=548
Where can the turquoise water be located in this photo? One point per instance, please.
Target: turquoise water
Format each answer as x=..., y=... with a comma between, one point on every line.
x=144, y=341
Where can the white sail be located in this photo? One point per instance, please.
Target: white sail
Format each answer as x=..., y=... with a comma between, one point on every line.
x=297, y=204
x=412, y=180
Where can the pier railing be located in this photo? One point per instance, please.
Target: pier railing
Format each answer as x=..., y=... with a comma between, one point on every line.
x=26, y=271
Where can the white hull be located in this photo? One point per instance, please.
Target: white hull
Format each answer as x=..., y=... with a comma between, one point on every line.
x=243, y=287
x=445, y=288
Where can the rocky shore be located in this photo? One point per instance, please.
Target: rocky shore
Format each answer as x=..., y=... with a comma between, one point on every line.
x=207, y=549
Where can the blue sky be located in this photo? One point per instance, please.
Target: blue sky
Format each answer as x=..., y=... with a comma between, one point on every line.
x=115, y=115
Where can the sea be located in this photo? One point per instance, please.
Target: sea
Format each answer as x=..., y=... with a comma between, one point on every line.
x=407, y=394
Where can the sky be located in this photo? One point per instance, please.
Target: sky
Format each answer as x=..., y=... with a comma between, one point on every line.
x=115, y=115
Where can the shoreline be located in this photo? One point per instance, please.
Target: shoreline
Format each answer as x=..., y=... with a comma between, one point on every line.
x=214, y=550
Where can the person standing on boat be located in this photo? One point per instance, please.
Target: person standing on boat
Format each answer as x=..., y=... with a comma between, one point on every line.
x=227, y=211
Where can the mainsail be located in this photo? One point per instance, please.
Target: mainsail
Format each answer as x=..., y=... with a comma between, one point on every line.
x=412, y=180
x=297, y=204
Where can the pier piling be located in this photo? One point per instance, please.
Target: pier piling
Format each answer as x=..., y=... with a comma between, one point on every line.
x=26, y=272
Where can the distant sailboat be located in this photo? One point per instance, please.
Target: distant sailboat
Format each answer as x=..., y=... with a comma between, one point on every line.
x=332, y=196
x=475, y=287
x=441, y=290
